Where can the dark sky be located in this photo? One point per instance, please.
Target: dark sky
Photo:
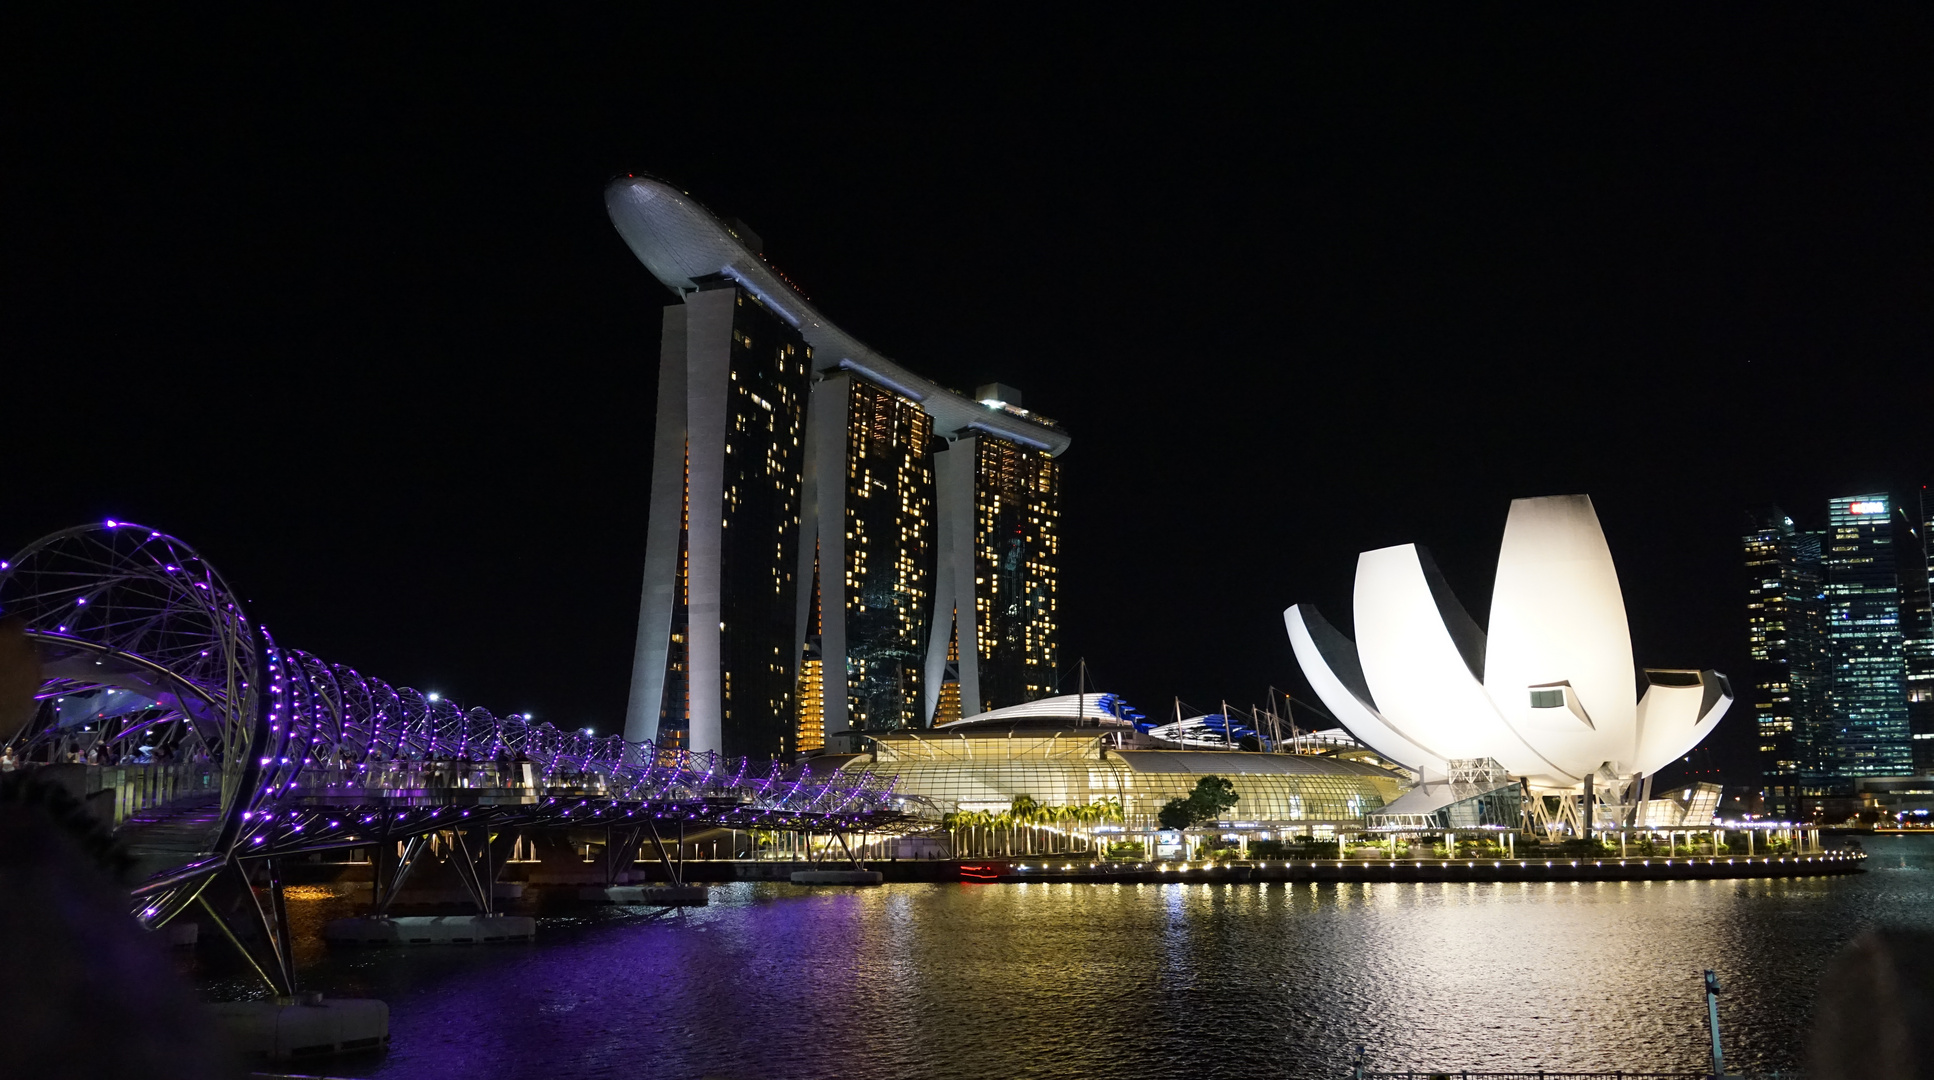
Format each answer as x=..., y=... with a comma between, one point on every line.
x=337, y=301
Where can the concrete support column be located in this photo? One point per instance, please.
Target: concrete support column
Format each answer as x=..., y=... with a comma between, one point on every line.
x=708, y=351
x=663, y=529
x=954, y=610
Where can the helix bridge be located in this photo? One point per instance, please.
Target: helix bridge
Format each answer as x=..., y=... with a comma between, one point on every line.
x=236, y=753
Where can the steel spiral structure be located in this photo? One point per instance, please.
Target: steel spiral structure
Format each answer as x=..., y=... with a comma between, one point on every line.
x=142, y=641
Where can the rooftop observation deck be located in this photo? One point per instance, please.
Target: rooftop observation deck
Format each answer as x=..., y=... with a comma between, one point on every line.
x=684, y=244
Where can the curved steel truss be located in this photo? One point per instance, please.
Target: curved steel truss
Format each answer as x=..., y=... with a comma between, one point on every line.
x=143, y=644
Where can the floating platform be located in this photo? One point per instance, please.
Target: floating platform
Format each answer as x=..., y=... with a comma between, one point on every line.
x=837, y=877
x=1648, y=868
x=433, y=897
x=305, y=1027
x=431, y=930
x=649, y=895
x=181, y=933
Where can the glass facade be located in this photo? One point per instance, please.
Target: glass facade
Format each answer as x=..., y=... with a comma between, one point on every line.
x=1475, y=807
x=768, y=377
x=1786, y=635
x=987, y=770
x=1917, y=630
x=889, y=555
x=947, y=708
x=1017, y=569
x=810, y=733
x=1867, y=696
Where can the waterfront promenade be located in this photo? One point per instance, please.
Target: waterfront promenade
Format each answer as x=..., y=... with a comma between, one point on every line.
x=1346, y=870
x=1082, y=870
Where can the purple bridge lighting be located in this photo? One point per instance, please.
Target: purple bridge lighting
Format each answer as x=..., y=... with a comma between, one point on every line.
x=252, y=752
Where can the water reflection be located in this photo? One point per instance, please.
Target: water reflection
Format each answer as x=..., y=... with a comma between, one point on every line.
x=1058, y=980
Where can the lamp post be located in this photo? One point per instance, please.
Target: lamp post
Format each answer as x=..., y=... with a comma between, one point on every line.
x=1712, y=1019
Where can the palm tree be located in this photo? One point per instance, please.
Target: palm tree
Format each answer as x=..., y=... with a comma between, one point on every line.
x=1024, y=811
x=952, y=823
x=1105, y=811
x=1092, y=814
x=973, y=821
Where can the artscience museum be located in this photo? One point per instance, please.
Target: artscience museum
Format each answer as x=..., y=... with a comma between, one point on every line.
x=1548, y=697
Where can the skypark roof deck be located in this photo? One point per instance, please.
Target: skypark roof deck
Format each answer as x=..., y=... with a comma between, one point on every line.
x=683, y=244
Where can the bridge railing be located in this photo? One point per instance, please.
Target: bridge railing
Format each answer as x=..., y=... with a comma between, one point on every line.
x=117, y=793
x=426, y=776
x=153, y=786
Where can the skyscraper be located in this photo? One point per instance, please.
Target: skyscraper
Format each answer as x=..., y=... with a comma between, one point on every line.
x=1007, y=576
x=861, y=510
x=867, y=551
x=1786, y=633
x=722, y=533
x=1867, y=693
x=1916, y=554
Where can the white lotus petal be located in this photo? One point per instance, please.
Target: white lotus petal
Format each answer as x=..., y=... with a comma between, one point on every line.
x=1330, y=662
x=1558, y=616
x=1422, y=683
x=1672, y=719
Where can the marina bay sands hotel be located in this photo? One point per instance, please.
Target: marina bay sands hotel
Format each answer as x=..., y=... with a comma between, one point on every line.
x=835, y=545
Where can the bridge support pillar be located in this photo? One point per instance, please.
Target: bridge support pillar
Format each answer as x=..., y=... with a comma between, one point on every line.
x=672, y=873
x=431, y=930
x=478, y=859
x=649, y=895
x=267, y=931
x=850, y=857
x=620, y=850
x=384, y=889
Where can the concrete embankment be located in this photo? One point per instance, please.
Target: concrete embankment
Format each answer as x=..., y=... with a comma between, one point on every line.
x=647, y=878
x=1651, y=868
x=1078, y=868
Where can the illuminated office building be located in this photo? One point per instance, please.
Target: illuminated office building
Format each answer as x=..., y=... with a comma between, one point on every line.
x=1917, y=629
x=1786, y=634
x=809, y=725
x=947, y=708
x=1868, y=733
x=1005, y=576
x=866, y=548
x=836, y=545
x=722, y=536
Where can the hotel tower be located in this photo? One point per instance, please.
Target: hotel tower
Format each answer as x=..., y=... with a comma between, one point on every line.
x=835, y=545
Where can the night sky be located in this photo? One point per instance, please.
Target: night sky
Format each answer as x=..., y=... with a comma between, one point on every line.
x=337, y=301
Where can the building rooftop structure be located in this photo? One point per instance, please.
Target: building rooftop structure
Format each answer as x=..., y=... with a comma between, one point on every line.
x=1079, y=710
x=684, y=245
x=1075, y=750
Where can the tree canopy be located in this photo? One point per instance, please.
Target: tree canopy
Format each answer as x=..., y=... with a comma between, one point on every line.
x=1212, y=795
